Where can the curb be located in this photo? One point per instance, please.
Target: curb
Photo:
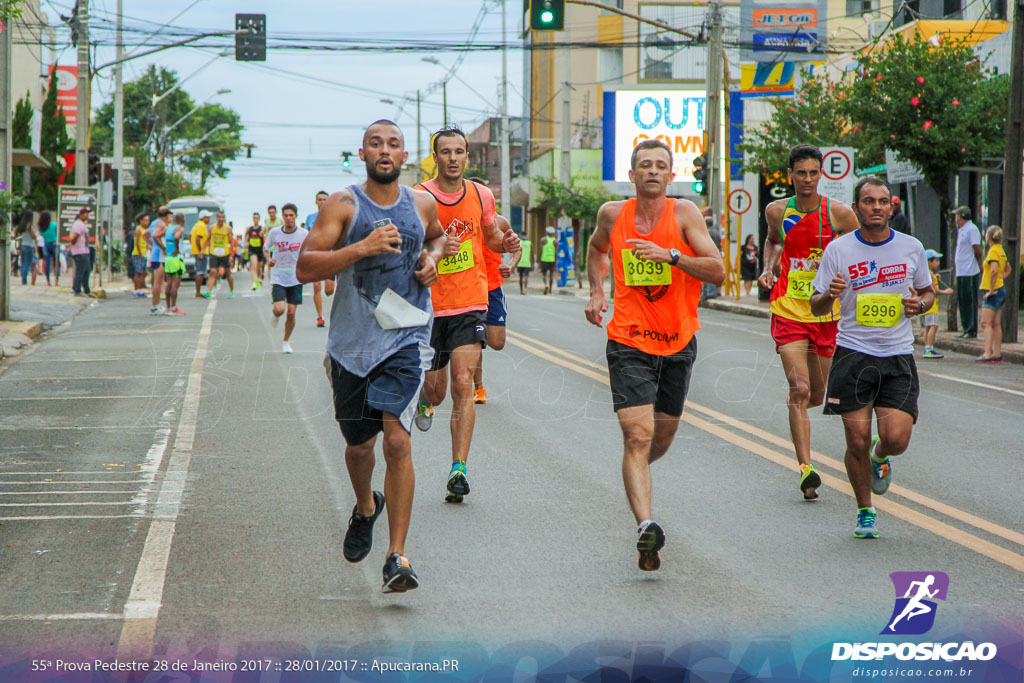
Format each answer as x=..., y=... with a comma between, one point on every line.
x=954, y=345
x=18, y=336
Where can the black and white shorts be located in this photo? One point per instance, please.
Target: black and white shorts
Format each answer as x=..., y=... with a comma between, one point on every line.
x=393, y=387
x=452, y=331
x=857, y=380
x=640, y=379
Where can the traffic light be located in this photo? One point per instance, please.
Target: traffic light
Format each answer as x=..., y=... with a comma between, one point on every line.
x=699, y=175
x=547, y=15
x=345, y=159
x=251, y=47
x=95, y=169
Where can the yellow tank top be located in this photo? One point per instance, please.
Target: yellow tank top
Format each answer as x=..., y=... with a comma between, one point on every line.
x=140, y=242
x=220, y=240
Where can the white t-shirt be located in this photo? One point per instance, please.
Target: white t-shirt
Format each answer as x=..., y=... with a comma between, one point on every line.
x=285, y=246
x=966, y=237
x=881, y=268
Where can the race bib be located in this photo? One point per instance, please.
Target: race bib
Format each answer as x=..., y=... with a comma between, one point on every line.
x=220, y=251
x=800, y=284
x=644, y=273
x=879, y=310
x=254, y=241
x=456, y=263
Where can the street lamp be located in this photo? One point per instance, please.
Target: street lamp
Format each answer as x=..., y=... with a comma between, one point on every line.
x=168, y=129
x=444, y=86
x=157, y=99
x=219, y=126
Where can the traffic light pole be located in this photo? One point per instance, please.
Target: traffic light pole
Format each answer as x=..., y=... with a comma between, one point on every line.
x=714, y=104
x=82, y=113
x=118, y=215
x=6, y=170
x=506, y=163
x=1013, y=211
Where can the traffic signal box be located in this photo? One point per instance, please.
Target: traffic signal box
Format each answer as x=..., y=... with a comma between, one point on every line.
x=547, y=15
x=251, y=47
x=700, y=185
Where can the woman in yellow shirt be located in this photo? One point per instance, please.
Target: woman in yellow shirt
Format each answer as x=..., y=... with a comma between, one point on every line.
x=992, y=273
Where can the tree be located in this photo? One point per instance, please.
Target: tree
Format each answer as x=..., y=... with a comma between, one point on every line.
x=575, y=202
x=21, y=136
x=54, y=143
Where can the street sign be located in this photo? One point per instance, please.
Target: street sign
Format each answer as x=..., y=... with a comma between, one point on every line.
x=740, y=201
x=69, y=201
x=899, y=171
x=837, y=175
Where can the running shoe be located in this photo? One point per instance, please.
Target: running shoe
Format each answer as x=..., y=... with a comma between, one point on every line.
x=424, y=416
x=319, y=322
x=480, y=394
x=274, y=320
x=398, y=575
x=259, y=284
x=254, y=286
x=933, y=354
x=286, y=347
x=651, y=539
x=809, y=482
x=139, y=295
x=359, y=537
x=205, y=295
x=865, y=524
x=231, y=295
x=881, y=471
x=458, y=484
x=156, y=310
x=177, y=311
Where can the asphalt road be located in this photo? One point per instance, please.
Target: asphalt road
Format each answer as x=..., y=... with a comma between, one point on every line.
x=176, y=484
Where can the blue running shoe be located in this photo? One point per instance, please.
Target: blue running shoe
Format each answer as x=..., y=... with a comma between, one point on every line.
x=458, y=484
x=865, y=524
x=881, y=471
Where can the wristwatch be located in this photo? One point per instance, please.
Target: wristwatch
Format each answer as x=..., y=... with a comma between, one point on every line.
x=675, y=254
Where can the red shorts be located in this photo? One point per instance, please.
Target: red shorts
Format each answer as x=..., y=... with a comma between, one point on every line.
x=821, y=337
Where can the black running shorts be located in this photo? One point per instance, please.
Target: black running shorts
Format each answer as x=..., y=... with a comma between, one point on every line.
x=292, y=295
x=452, y=331
x=220, y=262
x=641, y=379
x=857, y=380
x=393, y=387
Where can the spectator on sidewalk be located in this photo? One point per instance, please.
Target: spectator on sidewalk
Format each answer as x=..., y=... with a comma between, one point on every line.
x=930, y=318
x=748, y=264
x=898, y=220
x=80, y=253
x=968, y=271
x=711, y=291
x=27, y=236
x=51, y=262
x=994, y=296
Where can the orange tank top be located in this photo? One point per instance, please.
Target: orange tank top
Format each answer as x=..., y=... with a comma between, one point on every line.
x=655, y=303
x=462, y=278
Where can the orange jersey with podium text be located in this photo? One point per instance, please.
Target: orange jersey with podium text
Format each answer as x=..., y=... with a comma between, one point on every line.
x=655, y=303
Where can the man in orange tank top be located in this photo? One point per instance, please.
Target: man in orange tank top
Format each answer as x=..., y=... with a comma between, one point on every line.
x=799, y=229
x=466, y=210
x=497, y=312
x=660, y=253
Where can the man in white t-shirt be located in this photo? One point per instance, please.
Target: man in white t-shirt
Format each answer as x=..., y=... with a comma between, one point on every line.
x=967, y=261
x=285, y=289
x=881, y=279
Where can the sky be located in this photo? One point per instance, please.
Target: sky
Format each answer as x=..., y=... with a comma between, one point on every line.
x=300, y=122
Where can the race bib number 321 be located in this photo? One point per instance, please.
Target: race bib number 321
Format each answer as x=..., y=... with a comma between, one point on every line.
x=800, y=284
x=456, y=263
x=879, y=310
x=644, y=273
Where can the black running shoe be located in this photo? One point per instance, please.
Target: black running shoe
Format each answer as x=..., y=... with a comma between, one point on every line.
x=398, y=575
x=359, y=537
x=652, y=539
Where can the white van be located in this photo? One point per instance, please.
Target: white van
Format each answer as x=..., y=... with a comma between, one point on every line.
x=191, y=207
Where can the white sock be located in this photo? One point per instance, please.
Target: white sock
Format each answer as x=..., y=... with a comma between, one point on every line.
x=641, y=526
x=875, y=448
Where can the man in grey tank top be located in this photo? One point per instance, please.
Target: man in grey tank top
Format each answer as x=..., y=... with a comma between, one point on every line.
x=381, y=241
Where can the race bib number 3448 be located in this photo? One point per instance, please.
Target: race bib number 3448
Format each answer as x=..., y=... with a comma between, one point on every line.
x=644, y=273
x=456, y=263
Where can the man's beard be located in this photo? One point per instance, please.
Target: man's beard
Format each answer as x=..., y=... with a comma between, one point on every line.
x=382, y=177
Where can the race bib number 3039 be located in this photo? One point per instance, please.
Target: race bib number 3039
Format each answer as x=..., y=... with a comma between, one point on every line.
x=644, y=273
x=879, y=310
x=456, y=263
x=800, y=284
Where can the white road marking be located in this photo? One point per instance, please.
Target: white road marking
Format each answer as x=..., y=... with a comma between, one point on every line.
x=61, y=493
x=146, y=595
x=57, y=505
x=65, y=483
x=991, y=387
x=73, y=616
x=81, y=398
x=63, y=518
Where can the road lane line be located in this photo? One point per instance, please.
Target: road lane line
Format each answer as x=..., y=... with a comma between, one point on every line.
x=946, y=531
x=79, y=398
x=918, y=498
x=62, y=518
x=990, y=387
x=73, y=616
x=76, y=481
x=62, y=493
x=145, y=598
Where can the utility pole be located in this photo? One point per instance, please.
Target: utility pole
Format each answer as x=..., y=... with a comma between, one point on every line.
x=1013, y=212
x=82, y=125
x=6, y=170
x=711, y=121
x=419, y=135
x=118, y=217
x=444, y=100
x=506, y=162
x=563, y=126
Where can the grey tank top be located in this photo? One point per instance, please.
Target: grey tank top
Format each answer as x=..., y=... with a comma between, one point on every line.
x=355, y=340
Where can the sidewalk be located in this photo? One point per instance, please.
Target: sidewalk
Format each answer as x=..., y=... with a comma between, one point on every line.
x=1012, y=353
x=37, y=308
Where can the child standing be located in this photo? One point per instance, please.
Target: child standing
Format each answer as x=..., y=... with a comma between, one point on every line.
x=930, y=319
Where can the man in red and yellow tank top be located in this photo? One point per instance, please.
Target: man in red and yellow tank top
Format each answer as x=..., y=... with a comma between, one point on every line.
x=497, y=312
x=660, y=253
x=799, y=229
x=466, y=210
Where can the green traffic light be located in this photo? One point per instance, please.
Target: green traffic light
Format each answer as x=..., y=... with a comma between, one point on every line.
x=547, y=16
x=698, y=187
